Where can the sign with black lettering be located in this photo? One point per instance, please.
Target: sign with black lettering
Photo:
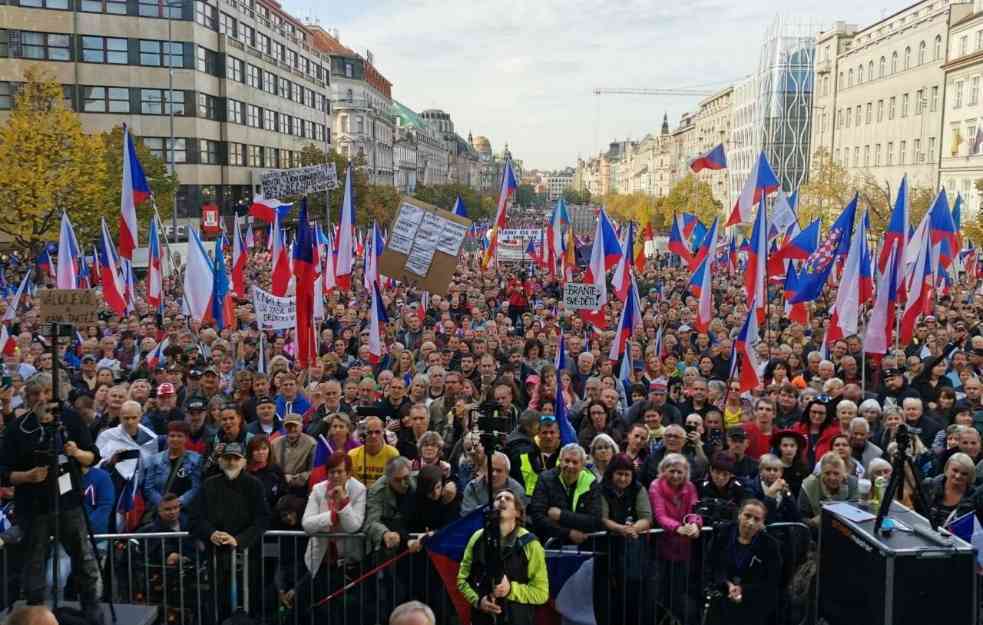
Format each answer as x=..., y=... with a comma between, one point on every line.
x=298, y=181
x=578, y=296
x=75, y=306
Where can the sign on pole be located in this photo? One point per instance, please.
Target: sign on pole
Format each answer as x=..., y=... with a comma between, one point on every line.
x=578, y=296
x=298, y=181
x=273, y=312
x=75, y=306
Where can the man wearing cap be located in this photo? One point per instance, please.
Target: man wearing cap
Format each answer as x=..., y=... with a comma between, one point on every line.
x=722, y=491
x=174, y=470
x=166, y=410
x=745, y=467
x=294, y=453
x=658, y=395
x=87, y=373
x=267, y=422
x=230, y=512
x=200, y=433
x=210, y=386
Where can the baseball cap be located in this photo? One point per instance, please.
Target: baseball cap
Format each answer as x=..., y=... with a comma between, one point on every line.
x=233, y=449
x=194, y=374
x=659, y=385
x=197, y=403
x=210, y=370
x=265, y=400
x=723, y=461
x=88, y=358
x=890, y=373
x=165, y=389
x=293, y=417
x=736, y=432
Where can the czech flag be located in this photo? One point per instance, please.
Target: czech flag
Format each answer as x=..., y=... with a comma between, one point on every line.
x=377, y=321
x=707, y=244
x=112, y=286
x=622, y=273
x=134, y=191
x=281, y=261
x=68, y=256
x=898, y=228
x=345, y=262
x=880, y=328
x=239, y=258
x=714, y=159
x=795, y=312
x=269, y=210
x=677, y=242
x=745, y=355
x=559, y=221
x=760, y=183
x=631, y=320
x=755, y=276
x=646, y=235
x=198, y=278
x=700, y=284
x=918, y=281
x=943, y=229
x=319, y=473
x=304, y=270
x=156, y=357
x=509, y=185
x=689, y=225
x=856, y=286
x=802, y=245
x=155, y=284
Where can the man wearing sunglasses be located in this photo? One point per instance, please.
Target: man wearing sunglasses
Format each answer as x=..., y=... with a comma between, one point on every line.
x=539, y=455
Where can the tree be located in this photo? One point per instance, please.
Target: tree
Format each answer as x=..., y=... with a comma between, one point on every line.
x=46, y=165
x=525, y=195
x=572, y=196
x=162, y=184
x=688, y=195
x=444, y=196
x=829, y=189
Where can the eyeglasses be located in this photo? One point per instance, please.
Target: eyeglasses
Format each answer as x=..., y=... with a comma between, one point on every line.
x=547, y=418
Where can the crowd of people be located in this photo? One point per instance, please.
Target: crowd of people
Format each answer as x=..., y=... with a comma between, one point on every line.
x=220, y=438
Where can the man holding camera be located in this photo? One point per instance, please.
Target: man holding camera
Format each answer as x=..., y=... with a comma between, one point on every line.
x=37, y=455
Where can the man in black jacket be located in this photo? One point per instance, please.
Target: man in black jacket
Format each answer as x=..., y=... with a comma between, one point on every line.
x=230, y=512
x=567, y=501
x=27, y=457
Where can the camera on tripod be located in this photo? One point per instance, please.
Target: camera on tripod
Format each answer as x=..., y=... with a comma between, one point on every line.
x=489, y=420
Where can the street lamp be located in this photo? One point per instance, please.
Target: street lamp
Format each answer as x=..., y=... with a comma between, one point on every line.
x=168, y=6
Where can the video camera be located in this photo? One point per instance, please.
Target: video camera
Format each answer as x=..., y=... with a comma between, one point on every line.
x=489, y=421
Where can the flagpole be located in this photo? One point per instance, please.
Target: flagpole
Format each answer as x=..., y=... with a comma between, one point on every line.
x=863, y=352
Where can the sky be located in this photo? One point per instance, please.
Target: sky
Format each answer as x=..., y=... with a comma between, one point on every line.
x=524, y=71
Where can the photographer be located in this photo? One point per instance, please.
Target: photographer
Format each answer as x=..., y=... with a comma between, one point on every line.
x=524, y=583
x=28, y=457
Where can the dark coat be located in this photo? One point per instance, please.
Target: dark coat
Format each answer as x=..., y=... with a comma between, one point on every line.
x=758, y=569
x=237, y=507
x=550, y=492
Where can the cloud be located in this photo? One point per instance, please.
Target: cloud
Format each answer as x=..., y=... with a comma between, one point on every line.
x=523, y=71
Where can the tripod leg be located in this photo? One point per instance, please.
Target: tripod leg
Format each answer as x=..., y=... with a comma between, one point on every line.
x=919, y=494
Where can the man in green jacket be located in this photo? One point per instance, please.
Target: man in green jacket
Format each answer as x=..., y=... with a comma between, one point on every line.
x=567, y=501
x=523, y=586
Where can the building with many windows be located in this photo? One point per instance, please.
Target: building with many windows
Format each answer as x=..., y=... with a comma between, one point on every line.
x=712, y=120
x=557, y=182
x=961, y=164
x=881, y=91
x=239, y=81
x=361, y=98
x=432, y=154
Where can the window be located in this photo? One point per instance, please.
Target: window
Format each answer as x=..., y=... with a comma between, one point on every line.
x=207, y=106
x=907, y=57
x=233, y=68
x=858, y=118
x=269, y=82
x=971, y=139
x=963, y=45
x=957, y=98
x=246, y=34
x=105, y=100
x=349, y=71
x=208, y=152
x=283, y=85
x=933, y=104
x=46, y=4
x=227, y=25
x=868, y=118
x=894, y=62
x=104, y=50
x=890, y=153
x=237, y=155
x=904, y=105
x=931, y=149
x=856, y=156
x=252, y=116
x=206, y=15
x=918, y=156
x=262, y=43
x=877, y=155
x=870, y=71
x=974, y=90
x=295, y=126
x=160, y=101
x=849, y=81
x=882, y=67
x=254, y=155
x=922, y=52
x=161, y=148
x=206, y=61
x=234, y=115
x=115, y=7
x=825, y=85
x=937, y=49
x=919, y=101
x=866, y=156
x=161, y=53
x=159, y=8
x=272, y=158
x=890, y=107
x=296, y=93
x=7, y=92
x=860, y=74
x=979, y=39
x=252, y=76
x=902, y=149
x=277, y=51
x=290, y=58
x=269, y=119
x=46, y=46
x=283, y=123
x=880, y=111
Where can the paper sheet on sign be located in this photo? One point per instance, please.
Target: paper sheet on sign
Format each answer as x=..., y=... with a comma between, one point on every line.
x=404, y=228
x=451, y=237
x=425, y=244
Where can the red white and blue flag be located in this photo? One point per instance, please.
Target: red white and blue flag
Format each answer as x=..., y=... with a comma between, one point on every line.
x=816, y=269
x=880, y=328
x=134, y=191
x=628, y=324
x=459, y=208
x=622, y=273
x=156, y=358
x=706, y=246
x=800, y=247
x=509, y=185
x=269, y=209
x=68, y=256
x=755, y=277
x=919, y=279
x=701, y=286
x=744, y=358
x=305, y=269
x=377, y=322
x=155, y=279
x=345, y=263
x=714, y=159
x=112, y=286
x=943, y=229
x=759, y=184
x=856, y=286
x=677, y=240
x=281, y=261
x=239, y=258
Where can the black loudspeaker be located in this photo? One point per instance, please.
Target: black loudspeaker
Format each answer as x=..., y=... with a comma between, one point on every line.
x=907, y=578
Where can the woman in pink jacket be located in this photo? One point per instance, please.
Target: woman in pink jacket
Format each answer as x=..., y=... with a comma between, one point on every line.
x=673, y=498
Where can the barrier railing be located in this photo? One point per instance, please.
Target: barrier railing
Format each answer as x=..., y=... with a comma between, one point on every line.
x=653, y=579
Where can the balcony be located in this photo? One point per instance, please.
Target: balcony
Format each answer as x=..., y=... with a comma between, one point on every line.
x=824, y=67
x=344, y=104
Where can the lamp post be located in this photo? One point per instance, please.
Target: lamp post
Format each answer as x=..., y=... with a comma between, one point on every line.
x=169, y=6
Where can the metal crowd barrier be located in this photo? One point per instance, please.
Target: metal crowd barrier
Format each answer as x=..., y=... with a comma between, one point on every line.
x=656, y=579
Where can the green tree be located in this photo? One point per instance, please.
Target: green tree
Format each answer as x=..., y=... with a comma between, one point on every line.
x=829, y=189
x=162, y=184
x=689, y=195
x=572, y=196
x=47, y=165
x=525, y=195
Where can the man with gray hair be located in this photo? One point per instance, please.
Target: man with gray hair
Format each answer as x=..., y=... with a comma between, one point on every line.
x=476, y=491
x=412, y=613
x=567, y=501
x=920, y=424
x=861, y=448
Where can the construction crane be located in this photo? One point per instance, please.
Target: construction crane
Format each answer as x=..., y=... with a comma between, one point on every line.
x=634, y=91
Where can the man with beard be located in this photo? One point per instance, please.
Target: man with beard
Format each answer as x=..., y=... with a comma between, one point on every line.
x=230, y=512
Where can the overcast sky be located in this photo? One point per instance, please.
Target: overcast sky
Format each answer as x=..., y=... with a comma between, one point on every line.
x=524, y=71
